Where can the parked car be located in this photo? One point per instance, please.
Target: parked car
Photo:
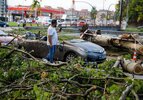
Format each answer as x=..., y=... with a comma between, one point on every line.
x=59, y=23
x=46, y=22
x=68, y=50
x=3, y=24
x=29, y=20
x=81, y=23
x=5, y=38
x=66, y=22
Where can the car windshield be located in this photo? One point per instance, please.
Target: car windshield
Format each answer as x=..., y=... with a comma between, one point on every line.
x=88, y=46
x=76, y=41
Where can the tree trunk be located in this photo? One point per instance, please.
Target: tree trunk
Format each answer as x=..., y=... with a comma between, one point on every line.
x=119, y=42
x=129, y=45
x=129, y=65
x=98, y=39
x=132, y=67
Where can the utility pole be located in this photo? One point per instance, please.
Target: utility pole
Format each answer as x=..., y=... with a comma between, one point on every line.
x=5, y=9
x=73, y=4
x=127, y=13
x=108, y=12
x=121, y=9
x=103, y=4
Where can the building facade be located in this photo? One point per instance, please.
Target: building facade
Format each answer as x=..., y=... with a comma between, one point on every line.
x=3, y=8
x=83, y=13
x=105, y=17
x=20, y=12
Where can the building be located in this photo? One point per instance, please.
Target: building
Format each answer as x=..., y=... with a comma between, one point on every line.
x=104, y=17
x=20, y=12
x=83, y=13
x=72, y=13
x=3, y=8
x=59, y=15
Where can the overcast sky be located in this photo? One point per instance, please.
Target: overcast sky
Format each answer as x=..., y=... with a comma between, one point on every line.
x=79, y=4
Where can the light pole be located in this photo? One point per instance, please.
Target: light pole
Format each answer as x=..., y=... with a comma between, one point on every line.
x=73, y=4
x=127, y=13
x=121, y=9
x=88, y=4
x=35, y=14
x=22, y=13
x=103, y=4
x=108, y=11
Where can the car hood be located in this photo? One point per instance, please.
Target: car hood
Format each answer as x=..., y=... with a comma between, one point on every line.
x=89, y=47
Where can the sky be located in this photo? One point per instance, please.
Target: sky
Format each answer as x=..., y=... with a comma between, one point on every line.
x=79, y=4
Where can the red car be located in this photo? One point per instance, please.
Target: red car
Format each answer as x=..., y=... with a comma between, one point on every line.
x=81, y=23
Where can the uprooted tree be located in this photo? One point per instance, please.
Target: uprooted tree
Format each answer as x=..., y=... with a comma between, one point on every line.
x=127, y=41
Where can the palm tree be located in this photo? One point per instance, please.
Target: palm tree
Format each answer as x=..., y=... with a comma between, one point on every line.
x=93, y=14
x=35, y=6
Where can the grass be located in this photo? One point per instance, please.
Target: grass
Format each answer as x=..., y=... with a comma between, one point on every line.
x=133, y=29
x=14, y=24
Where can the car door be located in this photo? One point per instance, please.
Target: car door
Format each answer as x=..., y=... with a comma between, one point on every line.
x=38, y=49
x=60, y=50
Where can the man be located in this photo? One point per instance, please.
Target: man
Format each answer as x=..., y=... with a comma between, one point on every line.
x=52, y=40
x=18, y=23
x=24, y=22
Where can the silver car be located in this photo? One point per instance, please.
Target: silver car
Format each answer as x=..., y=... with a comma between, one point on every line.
x=68, y=50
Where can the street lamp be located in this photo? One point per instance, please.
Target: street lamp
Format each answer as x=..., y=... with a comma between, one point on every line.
x=121, y=9
x=127, y=13
x=108, y=11
x=88, y=4
x=103, y=4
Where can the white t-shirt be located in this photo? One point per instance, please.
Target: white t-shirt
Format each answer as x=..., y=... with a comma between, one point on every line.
x=52, y=32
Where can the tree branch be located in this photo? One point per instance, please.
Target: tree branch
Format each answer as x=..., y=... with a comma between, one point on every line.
x=40, y=61
x=78, y=94
x=125, y=92
x=134, y=93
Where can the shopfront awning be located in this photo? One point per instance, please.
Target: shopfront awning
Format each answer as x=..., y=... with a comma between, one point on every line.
x=41, y=9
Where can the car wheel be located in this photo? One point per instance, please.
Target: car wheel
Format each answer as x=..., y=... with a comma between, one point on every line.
x=70, y=56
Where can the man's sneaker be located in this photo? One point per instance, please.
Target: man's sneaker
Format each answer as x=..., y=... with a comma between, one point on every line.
x=45, y=60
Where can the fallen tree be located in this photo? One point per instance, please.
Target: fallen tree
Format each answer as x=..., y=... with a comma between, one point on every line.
x=130, y=42
x=130, y=65
x=23, y=78
x=29, y=55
